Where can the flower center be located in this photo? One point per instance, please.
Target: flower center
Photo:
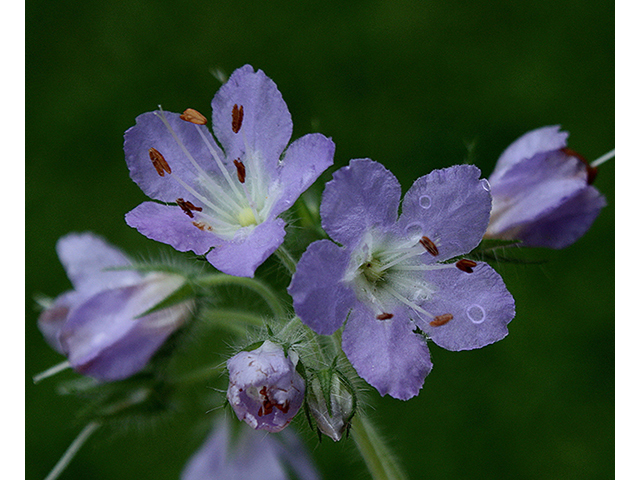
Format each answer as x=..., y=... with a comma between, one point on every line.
x=246, y=217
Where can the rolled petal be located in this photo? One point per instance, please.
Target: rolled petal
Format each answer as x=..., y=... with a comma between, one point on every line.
x=479, y=304
x=105, y=339
x=541, y=140
x=169, y=224
x=304, y=161
x=265, y=128
x=387, y=353
x=265, y=390
x=88, y=260
x=190, y=140
x=52, y=319
x=361, y=195
x=241, y=256
x=450, y=207
x=320, y=297
x=567, y=223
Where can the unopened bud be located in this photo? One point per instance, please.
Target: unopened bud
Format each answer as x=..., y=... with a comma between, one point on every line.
x=331, y=401
x=265, y=390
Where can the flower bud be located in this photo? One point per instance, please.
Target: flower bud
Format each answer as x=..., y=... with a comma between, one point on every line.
x=331, y=401
x=264, y=388
x=115, y=319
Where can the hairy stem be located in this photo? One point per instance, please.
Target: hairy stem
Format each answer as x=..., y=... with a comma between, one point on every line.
x=380, y=461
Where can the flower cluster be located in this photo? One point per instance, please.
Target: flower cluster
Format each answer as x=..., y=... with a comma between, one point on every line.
x=388, y=275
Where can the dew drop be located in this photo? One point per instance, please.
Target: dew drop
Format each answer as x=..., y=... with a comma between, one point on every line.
x=485, y=184
x=476, y=313
x=413, y=230
x=425, y=201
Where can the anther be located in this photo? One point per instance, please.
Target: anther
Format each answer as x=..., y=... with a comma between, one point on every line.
x=242, y=172
x=592, y=172
x=237, y=114
x=202, y=226
x=429, y=246
x=384, y=316
x=187, y=207
x=441, y=320
x=159, y=162
x=466, y=265
x=193, y=116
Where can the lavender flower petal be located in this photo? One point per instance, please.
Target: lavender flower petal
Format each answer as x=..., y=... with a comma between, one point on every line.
x=304, y=161
x=387, y=353
x=242, y=256
x=266, y=122
x=170, y=225
x=319, y=295
x=449, y=206
x=360, y=196
x=104, y=338
x=480, y=305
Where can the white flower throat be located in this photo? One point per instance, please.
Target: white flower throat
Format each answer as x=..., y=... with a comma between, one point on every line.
x=223, y=203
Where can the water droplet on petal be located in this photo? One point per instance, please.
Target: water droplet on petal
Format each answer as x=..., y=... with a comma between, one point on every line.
x=485, y=184
x=476, y=313
x=425, y=201
x=413, y=230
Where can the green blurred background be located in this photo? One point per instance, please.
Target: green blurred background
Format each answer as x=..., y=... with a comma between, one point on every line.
x=416, y=85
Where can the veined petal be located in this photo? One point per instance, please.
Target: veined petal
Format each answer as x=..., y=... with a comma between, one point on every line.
x=320, y=298
x=564, y=225
x=533, y=188
x=192, y=140
x=170, y=225
x=387, y=353
x=362, y=195
x=266, y=122
x=480, y=305
x=304, y=161
x=541, y=140
x=450, y=207
x=103, y=337
x=241, y=256
x=87, y=259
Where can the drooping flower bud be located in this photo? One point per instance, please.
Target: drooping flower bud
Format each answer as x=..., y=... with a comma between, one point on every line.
x=264, y=388
x=115, y=319
x=331, y=401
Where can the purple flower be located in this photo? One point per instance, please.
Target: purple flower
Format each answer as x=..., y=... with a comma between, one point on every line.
x=97, y=325
x=542, y=192
x=251, y=455
x=264, y=388
x=390, y=278
x=226, y=200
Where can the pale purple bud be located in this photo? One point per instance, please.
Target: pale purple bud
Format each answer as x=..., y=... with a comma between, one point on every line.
x=107, y=326
x=264, y=388
x=332, y=402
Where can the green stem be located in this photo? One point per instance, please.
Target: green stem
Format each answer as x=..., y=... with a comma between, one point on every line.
x=379, y=460
x=269, y=297
x=234, y=320
x=286, y=259
x=75, y=446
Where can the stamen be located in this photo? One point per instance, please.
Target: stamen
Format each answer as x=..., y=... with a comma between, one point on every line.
x=242, y=172
x=466, y=265
x=429, y=246
x=187, y=207
x=193, y=116
x=237, y=114
x=607, y=156
x=408, y=303
x=159, y=162
x=592, y=171
x=203, y=226
x=440, y=320
x=384, y=316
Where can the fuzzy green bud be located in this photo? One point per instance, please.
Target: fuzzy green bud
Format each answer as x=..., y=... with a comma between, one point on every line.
x=331, y=401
